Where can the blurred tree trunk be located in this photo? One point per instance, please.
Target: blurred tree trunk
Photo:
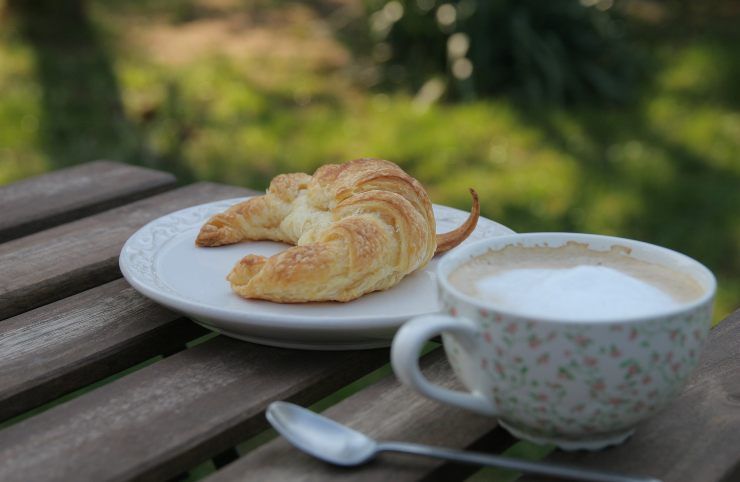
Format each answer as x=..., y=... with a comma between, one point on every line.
x=82, y=113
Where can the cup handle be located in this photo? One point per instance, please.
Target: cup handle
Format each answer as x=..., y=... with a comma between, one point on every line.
x=408, y=343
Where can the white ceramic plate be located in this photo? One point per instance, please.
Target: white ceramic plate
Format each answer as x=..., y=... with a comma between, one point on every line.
x=162, y=262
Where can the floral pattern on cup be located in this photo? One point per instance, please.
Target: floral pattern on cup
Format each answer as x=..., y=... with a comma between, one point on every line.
x=561, y=380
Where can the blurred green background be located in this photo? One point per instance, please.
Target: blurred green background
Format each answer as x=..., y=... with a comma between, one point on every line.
x=608, y=116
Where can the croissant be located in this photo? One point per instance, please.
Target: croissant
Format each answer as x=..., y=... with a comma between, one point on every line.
x=356, y=227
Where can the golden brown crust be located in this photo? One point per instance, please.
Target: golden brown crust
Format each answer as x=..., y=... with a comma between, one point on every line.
x=357, y=227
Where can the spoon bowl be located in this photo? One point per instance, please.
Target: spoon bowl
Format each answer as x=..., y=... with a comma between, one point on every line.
x=319, y=436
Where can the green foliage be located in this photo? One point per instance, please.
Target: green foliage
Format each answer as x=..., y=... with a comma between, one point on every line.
x=555, y=51
x=664, y=170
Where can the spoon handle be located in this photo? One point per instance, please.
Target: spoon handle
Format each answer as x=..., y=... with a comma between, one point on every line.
x=525, y=466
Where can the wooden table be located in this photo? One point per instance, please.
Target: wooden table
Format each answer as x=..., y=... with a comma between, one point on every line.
x=99, y=383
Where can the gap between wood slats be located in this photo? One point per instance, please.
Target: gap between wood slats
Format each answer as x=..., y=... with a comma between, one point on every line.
x=151, y=424
x=360, y=384
x=64, y=195
x=88, y=388
x=71, y=343
x=76, y=393
x=519, y=449
x=387, y=411
x=733, y=475
x=59, y=262
x=209, y=466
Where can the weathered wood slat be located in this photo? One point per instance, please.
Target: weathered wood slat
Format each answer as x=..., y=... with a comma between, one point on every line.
x=61, y=196
x=61, y=261
x=386, y=411
x=698, y=436
x=164, y=418
x=76, y=341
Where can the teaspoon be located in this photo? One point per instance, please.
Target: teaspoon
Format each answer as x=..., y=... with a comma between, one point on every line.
x=338, y=444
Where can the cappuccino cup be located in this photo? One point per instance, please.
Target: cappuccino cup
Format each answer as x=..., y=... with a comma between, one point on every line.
x=568, y=339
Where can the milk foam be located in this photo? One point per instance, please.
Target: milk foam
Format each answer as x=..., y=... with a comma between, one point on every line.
x=581, y=292
x=574, y=282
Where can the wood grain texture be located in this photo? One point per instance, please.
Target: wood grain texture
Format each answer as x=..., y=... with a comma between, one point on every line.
x=61, y=261
x=386, y=411
x=697, y=438
x=168, y=416
x=61, y=196
x=65, y=345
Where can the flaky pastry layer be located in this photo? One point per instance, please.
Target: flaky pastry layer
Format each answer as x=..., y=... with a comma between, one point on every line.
x=356, y=227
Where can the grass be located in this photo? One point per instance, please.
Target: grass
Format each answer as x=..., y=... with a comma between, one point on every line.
x=665, y=170
x=522, y=450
